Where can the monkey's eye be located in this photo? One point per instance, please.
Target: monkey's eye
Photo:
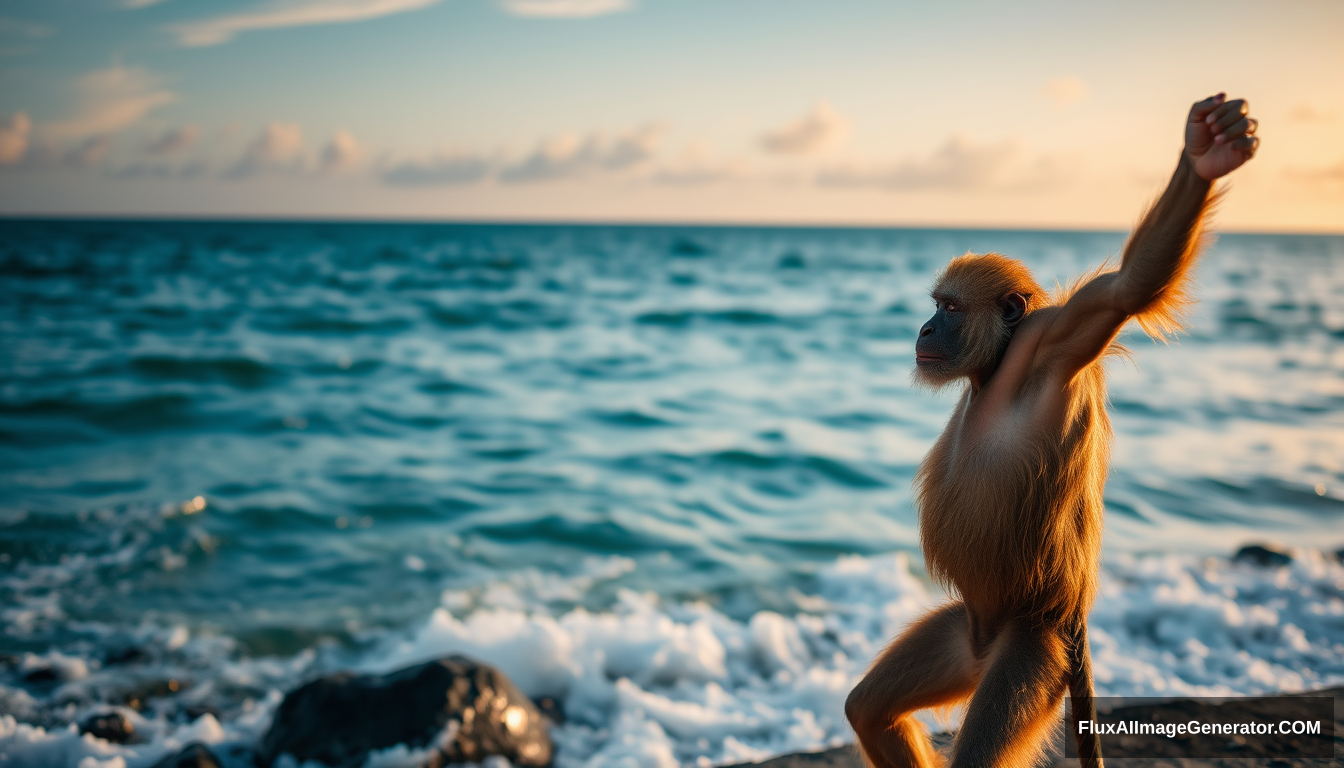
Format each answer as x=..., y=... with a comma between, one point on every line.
x=951, y=306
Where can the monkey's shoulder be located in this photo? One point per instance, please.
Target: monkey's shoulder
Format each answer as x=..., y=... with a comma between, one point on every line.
x=1010, y=422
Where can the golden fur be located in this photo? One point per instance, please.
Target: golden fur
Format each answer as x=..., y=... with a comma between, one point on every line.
x=1011, y=523
x=1010, y=495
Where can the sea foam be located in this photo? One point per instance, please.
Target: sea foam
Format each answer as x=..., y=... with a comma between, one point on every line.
x=659, y=683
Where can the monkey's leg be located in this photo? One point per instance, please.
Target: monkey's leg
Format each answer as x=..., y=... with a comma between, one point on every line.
x=1013, y=709
x=931, y=663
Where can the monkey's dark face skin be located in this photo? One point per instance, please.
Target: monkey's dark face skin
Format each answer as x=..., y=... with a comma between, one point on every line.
x=964, y=339
x=938, y=348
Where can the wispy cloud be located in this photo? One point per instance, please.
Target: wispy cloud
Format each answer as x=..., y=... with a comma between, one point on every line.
x=161, y=170
x=1308, y=113
x=571, y=156
x=820, y=129
x=1063, y=91
x=444, y=169
x=565, y=9
x=14, y=132
x=109, y=100
x=278, y=149
x=342, y=153
x=960, y=165
x=278, y=14
x=88, y=153
x=175, y=141
x=698, y=164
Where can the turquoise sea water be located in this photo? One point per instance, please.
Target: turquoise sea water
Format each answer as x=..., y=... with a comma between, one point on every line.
x=299, y=435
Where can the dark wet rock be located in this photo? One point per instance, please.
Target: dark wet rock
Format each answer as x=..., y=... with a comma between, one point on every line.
x=467, y=709
x=111, y=726
x=552, y=709
x=191, y=756
x=143, y=693
x=1265, y=555
x=42, y=675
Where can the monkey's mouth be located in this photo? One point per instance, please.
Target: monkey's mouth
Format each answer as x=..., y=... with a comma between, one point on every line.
x=926, y=357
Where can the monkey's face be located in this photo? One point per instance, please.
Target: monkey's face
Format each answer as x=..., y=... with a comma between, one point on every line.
x=965, y=338
x=940, y=348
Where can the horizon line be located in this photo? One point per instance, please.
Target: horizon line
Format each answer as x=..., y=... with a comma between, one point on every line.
x=598, y=222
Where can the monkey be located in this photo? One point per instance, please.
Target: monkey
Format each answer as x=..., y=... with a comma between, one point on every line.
x=1010, y=495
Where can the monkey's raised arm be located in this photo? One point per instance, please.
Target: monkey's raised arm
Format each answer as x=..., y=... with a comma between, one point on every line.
x=1151, y=284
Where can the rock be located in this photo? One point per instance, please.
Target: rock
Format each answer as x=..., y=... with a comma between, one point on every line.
x=1266, y=555
x=111, y=726
x=552, y=709
x=191, y=756
x=1339, y=554
x=42, y=675
x=467, y=709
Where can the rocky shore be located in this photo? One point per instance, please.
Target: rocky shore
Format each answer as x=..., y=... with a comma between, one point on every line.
x=456, y=711
x=1145, y=752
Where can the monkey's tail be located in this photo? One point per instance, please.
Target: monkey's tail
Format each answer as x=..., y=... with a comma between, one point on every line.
x=1082, y=705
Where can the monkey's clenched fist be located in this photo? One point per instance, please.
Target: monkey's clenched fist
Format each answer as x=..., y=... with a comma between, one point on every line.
x=1220, y=136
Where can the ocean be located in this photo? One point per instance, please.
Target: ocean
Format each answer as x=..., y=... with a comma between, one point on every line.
x=661, y=474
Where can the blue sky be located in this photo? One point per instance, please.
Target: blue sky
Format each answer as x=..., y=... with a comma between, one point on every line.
x=790, y=111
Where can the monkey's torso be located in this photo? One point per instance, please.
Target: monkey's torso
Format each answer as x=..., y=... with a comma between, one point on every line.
x=1010, y=495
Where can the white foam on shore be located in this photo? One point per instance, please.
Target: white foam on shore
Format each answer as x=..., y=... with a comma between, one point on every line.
x=659, y=684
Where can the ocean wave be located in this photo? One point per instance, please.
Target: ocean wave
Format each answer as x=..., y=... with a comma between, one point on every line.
x=237, y=371
x=680, y=318
x=772, y=471
x=650, y=679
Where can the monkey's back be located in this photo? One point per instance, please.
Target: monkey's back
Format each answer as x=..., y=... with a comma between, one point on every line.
x=1012, y=519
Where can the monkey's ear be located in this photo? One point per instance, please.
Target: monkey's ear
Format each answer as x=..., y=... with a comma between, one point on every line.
x=1014, y=308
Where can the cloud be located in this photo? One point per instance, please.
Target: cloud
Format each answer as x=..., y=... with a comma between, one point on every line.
x=698, y=165
x=175, y=141
x=820, y=129
x=960, y=165
x=340, y=154
x=159, y=170
x=278, y=14
x=1063, y=91
x=89, y=152
x=109, y=100
x=565, y=9
x=21, y=28
x=1306, y=113
x=278, y=149
x=570, y=156
x=132, y=5
x=14, y=133
x=441, y=170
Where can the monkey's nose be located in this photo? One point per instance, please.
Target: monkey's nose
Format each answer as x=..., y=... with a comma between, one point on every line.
x=925, y=331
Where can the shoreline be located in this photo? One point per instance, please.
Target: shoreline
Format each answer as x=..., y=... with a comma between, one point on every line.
x=1134, y=755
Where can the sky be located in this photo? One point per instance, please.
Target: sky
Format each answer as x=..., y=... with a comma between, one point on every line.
x=808, y=112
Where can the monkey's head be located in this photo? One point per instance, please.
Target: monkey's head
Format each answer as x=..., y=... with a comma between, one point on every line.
x=980, y=300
